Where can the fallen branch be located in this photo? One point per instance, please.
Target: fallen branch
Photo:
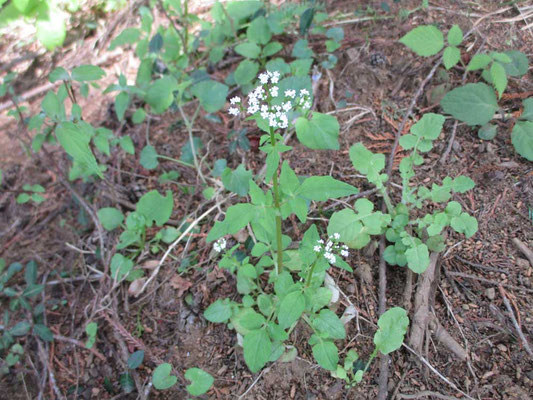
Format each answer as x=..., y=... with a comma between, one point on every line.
x=524, y=249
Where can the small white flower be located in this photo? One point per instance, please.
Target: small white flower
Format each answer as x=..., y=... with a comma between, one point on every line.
x=304, y=92
x=274, y=91
x=336, y=236
x=307, y=104
x=317, y=249
x=286, y=106
x=219, y=245
x=253, y=109
x=344, y=253
x=329, y=245
x=290, y=93
x=283, y=122
x=320, y=241
x=233, y=111
x=345, y=247
x=235, y=100
x=272, y=122
x=330, y=257
x=263, y=78
x=275, y=77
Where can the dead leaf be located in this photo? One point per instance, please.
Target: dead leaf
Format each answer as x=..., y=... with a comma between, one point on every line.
x=180, y=284
x=136, y=286
x=150, y=264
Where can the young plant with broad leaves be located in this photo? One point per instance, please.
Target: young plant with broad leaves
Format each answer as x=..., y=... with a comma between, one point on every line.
x=476, y=104
x=281, y=282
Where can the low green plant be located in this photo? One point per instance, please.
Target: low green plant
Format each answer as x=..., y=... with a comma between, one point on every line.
x=24, y=314
x=477, y=103
x=31, y=193
x=201, y=381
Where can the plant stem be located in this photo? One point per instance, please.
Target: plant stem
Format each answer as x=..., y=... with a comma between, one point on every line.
x=279, y=267
x=310, y=274
x=386, y=199
x=176, y=160
x=189, y=124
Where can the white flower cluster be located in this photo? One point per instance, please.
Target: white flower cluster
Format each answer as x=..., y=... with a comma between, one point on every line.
x=219, y=245
x=331, y=247
x=259, y=101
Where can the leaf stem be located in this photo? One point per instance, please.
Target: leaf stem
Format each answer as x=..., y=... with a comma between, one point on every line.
x=279, y=243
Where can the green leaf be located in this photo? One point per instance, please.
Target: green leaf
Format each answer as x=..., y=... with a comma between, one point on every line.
x=246, y=72
x=120, y=266
x=327, y=322
x=291, y=308
x=127, y=144
x=160, y=94
x=522, y=139
x=322, y=188
x=528, y=109
x=30, y=273
x=76, y=143
x=51, y=26
x=455, y=36
x=20, y=329
x=487, y=131
x=257, y=348
x=23, y=198
x=51, y=105
x=138, y=116
x=186, y=150
x=462, y=184
x=326, y=354
x=306, y=18
x=58, y=74
x=248, y=50
x=519, y=63
x=474, y=103
x=321, y=132
x=302, y=50
x=271, y=49
x=43, y=332
x=135, y=359
x=201, y=381
x=237, y=181
x=127, y=383
x=237, y=217
x=127, y=36
x=110, y=217
x=87, y=73
x=417, y=258
x=424, y=40
x=392, y=328
x=211, y=94
x=499, y=77
x=465, y=223
x=155, y=207
x=219, y=311
x=161, y=377
x=336, y=34
x=258, y=31
x=429, y=126
x=367, y=163
x=122, y=101
x=148, y=157
x=479, y=61
x=451, y=56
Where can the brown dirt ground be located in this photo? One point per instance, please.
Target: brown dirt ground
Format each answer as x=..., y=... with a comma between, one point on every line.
x=169, y=320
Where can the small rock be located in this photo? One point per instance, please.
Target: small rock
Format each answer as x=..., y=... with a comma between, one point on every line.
x=466, y=307
x=502, y=348
x=490, y=293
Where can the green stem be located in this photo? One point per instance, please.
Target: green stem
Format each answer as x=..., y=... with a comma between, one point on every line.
x=279, y=267
x=386, y=199
x=185, y=164
x=310, y=274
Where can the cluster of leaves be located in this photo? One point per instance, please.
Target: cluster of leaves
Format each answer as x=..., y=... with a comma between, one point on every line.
x=24, y=313
x=476, y=103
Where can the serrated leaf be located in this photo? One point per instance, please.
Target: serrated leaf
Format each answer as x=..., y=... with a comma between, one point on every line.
x=160, y=94
x=478, y=61
x=87, y=73
x=474, y=103
x=301, y=49
x=237, y=217
x=522, y=139
x=455, y=36
x=122, y=101
x=465, y=223
x=237, y=181
x=257, y=348
x=120, y=266
x=392, y=328
x=246, y=72
x=291, y=308
x=499, y=77
x=528, y=109
x=201, y=381
x=211, y=94
x=43, y=332
x=20, y=329
x=258, y=31
x=248, y=50
x=519, y=64
x=424, y=40
x=326, y=354
x=487, y=131
x=322, y=188
x=321, y=132
x=327, y=322
x=429, y=126
x=58, y=74
x=219, y=311
x=451, y=56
